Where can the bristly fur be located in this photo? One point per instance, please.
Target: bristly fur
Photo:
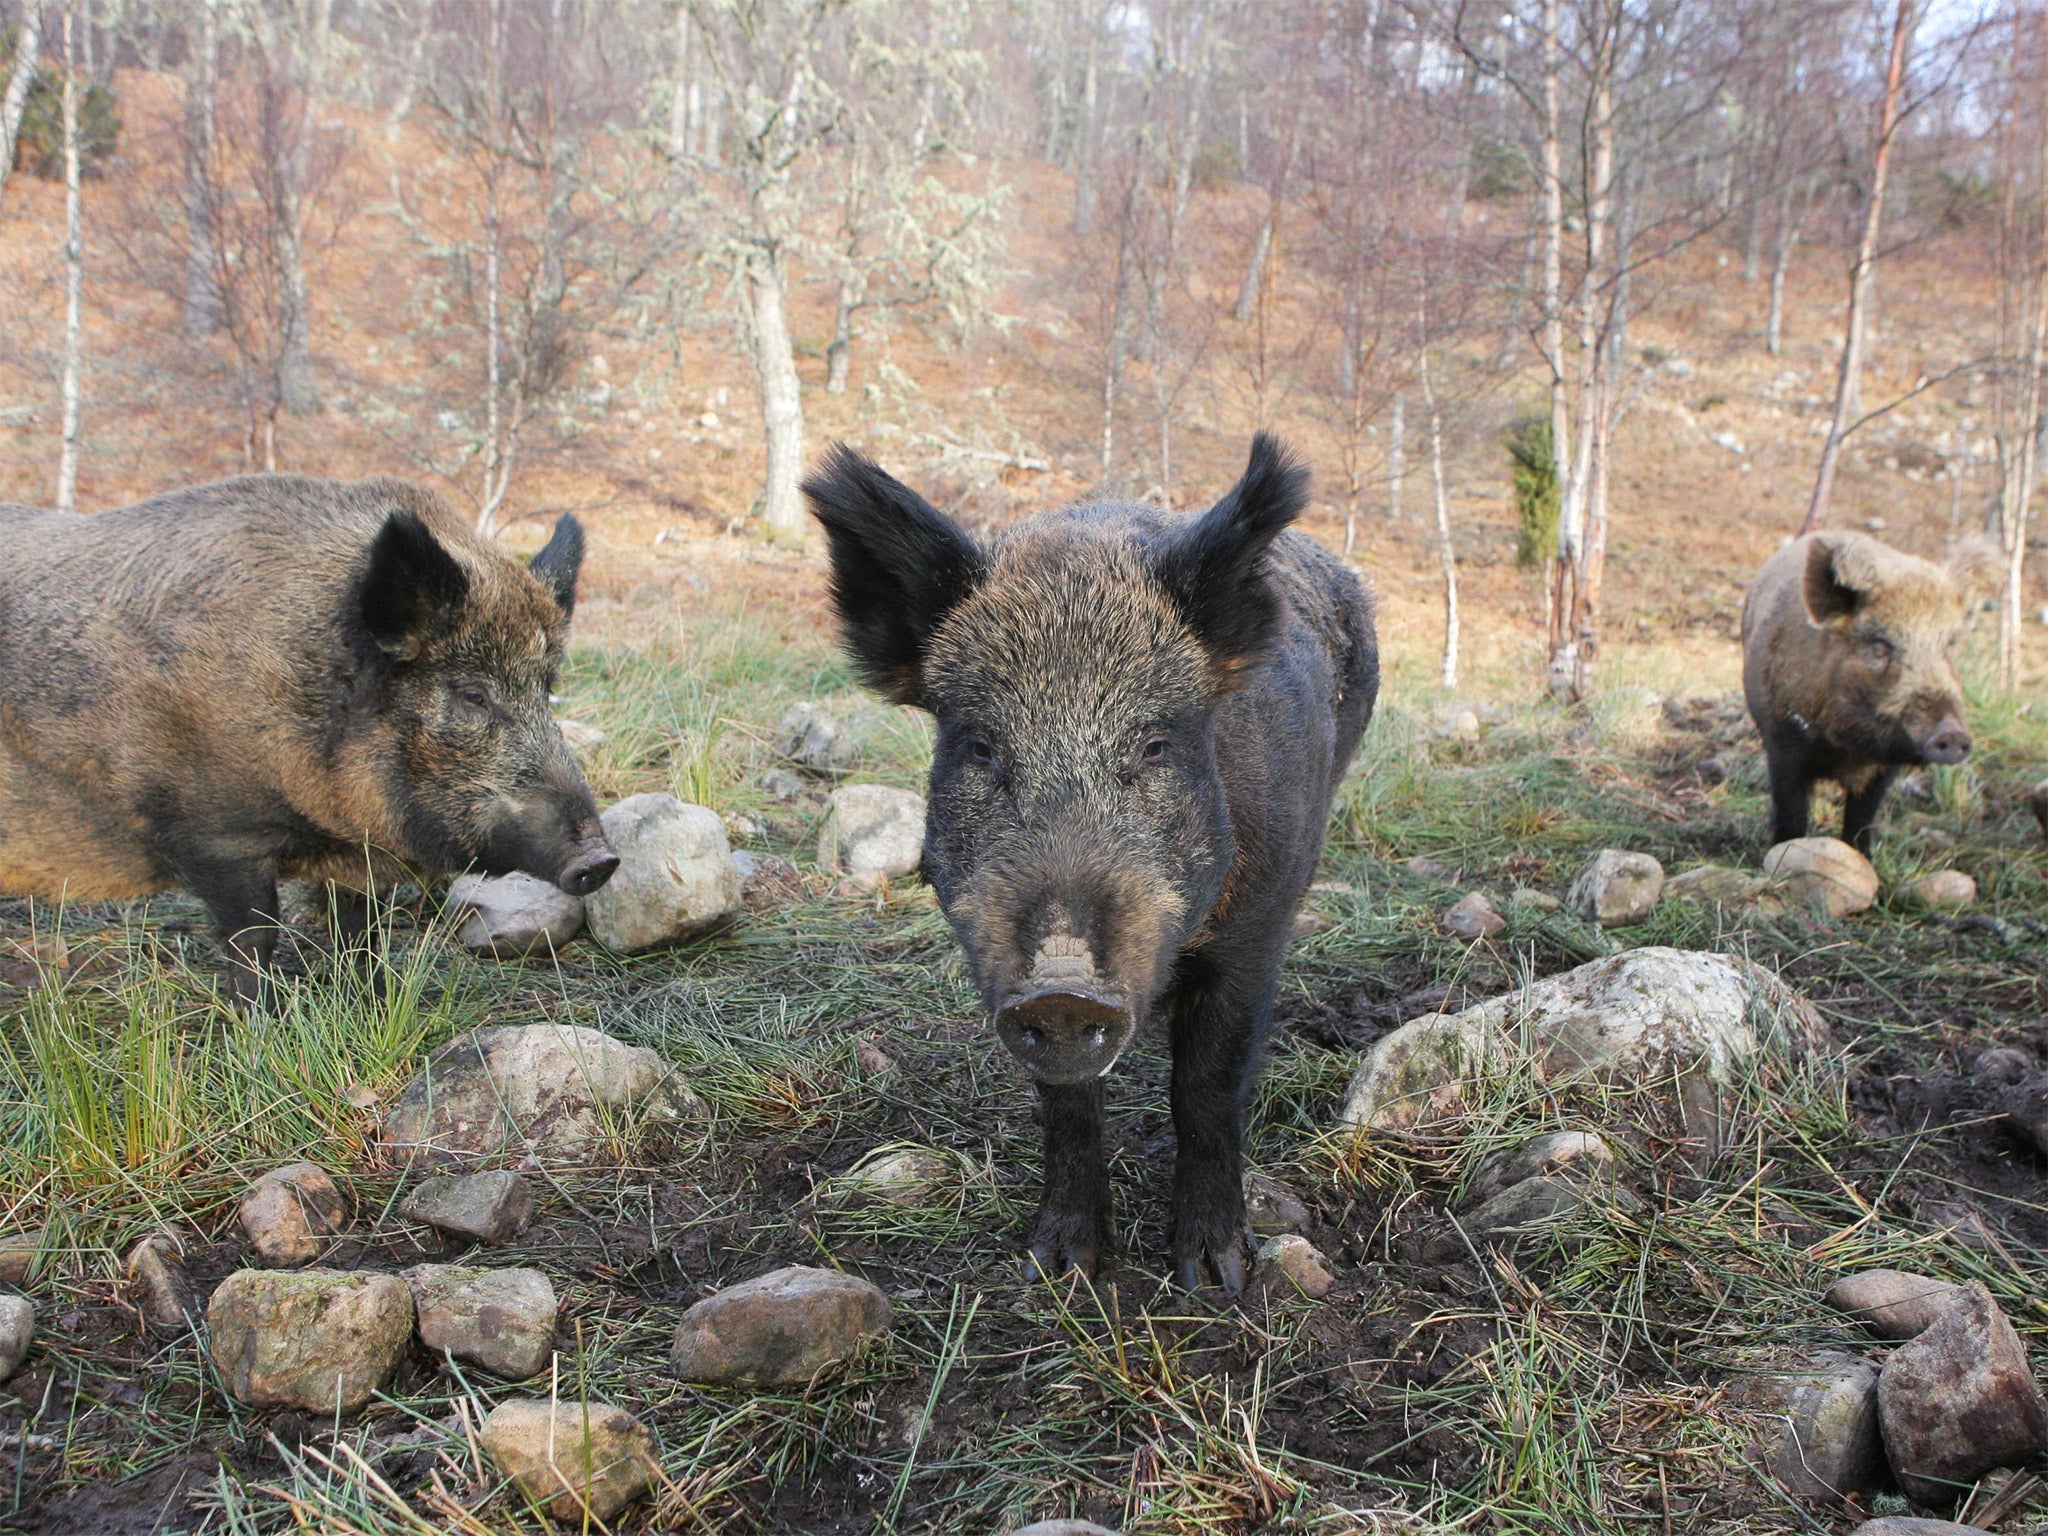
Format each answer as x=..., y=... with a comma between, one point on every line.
x=411, y=585
x=899, y=566
x=559, y=563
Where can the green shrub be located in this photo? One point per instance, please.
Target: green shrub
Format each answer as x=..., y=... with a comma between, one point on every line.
x=1535, y=489
x=40, y=148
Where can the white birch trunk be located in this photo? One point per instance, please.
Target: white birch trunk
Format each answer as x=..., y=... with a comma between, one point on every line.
x=1446, y=555
x=28, y=44
x=782, y=416
x=202, y=293
x=74, y=276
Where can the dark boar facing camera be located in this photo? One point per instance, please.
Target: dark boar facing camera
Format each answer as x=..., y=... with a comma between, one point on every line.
x=1846, y=666
x=280, y=676
x=1141, y=720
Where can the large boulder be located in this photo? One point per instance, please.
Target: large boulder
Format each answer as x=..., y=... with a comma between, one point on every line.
x=506, y=916
x=778, y=1329
x=1648, y=1016
x=675, y=876
x=873, y=833
x=500, y=1319
x=1958, y=1400
x=315, y=1339
x=570, y=1457
x=1823, y=872
x=1616, y=888
x=291, y=1213
x=551, y=1091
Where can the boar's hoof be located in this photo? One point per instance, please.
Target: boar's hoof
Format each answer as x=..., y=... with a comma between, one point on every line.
x=1067, y=1031
x=1065, y=1242
x=1200, y=1261
x=587, y=871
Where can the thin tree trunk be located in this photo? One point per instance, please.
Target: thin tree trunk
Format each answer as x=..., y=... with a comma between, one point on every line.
x=1781, y=262
x=202, y=291
x=1254, y=273
x=295, y=370
x=782, y=415
x=679, y=141
x=1397, y=434
x=839, y=351
x=1848, y=380
x=1113, y=360
x=74, y=275
x=28, y=44
x=410, y=83
x=1091, y=132
x=2018, y=504
x=1446, y=556
x=1553, y=327
x=497, y=464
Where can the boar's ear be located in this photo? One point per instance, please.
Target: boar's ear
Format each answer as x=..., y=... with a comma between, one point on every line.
x=412, y=586
x=1214, y=566
x=1828, y=597
x=559, y=563
x=899, y=566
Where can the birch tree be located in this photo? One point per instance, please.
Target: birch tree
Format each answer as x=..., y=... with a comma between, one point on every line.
x=21, y=73
x=74, y=273
x=202, y=310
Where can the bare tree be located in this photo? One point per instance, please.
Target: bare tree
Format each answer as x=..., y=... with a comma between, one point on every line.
x=28, y=42
x=2020, y=414
x=292, y=43
x=202, y=311
x=74, y=273
x=1447, y=556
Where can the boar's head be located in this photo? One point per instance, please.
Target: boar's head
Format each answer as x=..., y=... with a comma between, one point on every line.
x=459, y=657
x=1889, y=622
x=1077, y=833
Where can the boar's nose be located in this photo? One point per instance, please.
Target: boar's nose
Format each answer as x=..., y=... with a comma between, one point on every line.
x=587, y=870
x=1950, y=743
x=1066, y=1030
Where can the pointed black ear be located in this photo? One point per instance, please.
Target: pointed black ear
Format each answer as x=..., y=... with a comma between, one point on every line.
x=560, y=561
x=899, y=566
x=1214, y=566
x=412, y=587
x=1828, y=597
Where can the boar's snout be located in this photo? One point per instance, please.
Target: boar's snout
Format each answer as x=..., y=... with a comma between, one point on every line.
x=1065, y=1024
x=589, y=866
x=1950, y=742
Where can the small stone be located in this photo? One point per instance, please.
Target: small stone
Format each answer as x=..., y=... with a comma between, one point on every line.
x=17, y=1332
x=500, y=1319
x=483, y=1207
x=742, y=829
x=1271, y=1207
x=675, y=877
x=1521, y=1211
x=1941, y=890
x=1823, y=872
x=1827, y=1447
x=1892, y=1304
x=767, y=881
x=901, y=1176
x=2026, y=1112
x=778, y=1329
x=313, y=1339
x=570, y=1457
x=1308, y=924
x=873, y=1060
x=2001, y=1065
x=506, y=916
x=1473, y=918
x=1542, y=901
x=1714, y=885
x=1063, y=1527
x=20, y=1255
x=1289, y=1261
x=1958, y=1400
x=1617, y=888
x=1914, y=1525
x=781, y=784
x=581, y=737
x=1431, y=869
x=290, y=1213
x=1573, y=1154
x=159, y=1288
x=819, y=741
x=874, y=833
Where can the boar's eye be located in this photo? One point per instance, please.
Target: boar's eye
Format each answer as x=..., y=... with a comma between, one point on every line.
x=473, y=696
x=981, y=750
x=1154, y=751
x=1878, y=653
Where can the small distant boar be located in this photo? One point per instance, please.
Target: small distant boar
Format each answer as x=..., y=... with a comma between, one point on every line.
x=1846, y=664
x=279, y=676
x=1141, y=720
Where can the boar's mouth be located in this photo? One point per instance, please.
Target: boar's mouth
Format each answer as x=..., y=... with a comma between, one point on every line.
x=1949, y=743
x=587, y=870
x=1065, y=1024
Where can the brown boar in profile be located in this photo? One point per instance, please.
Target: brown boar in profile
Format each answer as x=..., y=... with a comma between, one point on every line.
x=1846, y=664
x=278, y=676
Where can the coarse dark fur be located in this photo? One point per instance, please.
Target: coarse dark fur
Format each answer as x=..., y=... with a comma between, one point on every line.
x=1142, y=719
x=1846, y=664
x=277, y=676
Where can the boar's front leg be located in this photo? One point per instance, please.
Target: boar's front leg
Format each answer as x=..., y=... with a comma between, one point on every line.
x=1073, y=1226
x=1791, y=788
x=1219, y=1016
x=241, y=898
x=1859, y=811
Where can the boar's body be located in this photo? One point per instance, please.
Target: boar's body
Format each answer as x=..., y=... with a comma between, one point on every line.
x=1142, y=719
x=1846, y=666
x=279, y=676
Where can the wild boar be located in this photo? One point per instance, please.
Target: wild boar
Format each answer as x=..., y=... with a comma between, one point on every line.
x=1141, y=720
x=1846, y=665
x=281, y=676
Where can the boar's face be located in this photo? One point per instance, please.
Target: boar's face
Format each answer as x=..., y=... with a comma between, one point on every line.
x=465, y=654
x=1890, y=624
x=1077, y=832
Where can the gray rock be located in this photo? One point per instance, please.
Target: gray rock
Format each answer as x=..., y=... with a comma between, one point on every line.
x=17, y=1332
x=1714, y=885
x=291, y=1213
x=569, y=1456
x=1541, y=901
x=1892, y=1304
x=901, y=1176
x=873, y=833
x=1473, y=917
x=1941, y=890
x=1827, y=1446
x=767, y=881
x=506, y=916
x=1572, y=1154
x=1958, y=1400
x=500, y=1319
x=821, y=742
x=1617, y=888
x=483, y=1207
x=310, y=1339
x=1063, y=1527
x=1287, y=1263
x=580, y=737
x=1271, y=1207
x=675, y=877
x=21, y=1255
x=781, y=784
x=778, y=1329
x=1522, y=1212
x=1913, y=1525
x=1823, y=872
x=159, y=1288
x=550, y=1091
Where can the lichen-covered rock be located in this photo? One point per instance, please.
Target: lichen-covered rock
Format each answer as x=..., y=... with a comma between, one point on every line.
x=314, y=1339
x=1616, y=888
x=1650, y=1015
x=507, y=916
x=1288, y=1263
x=1823, y=872
x=1892, y=1304
x=778, y=1329
x=1521, y=1212
x=488, y=1207
x=1826, y=1446
x=159, y=1288
x=1271, y=1207
x=17, y=1332
x=500, y=1319
x=873, y=833
x=1063, y=1527
x=291, y=1214
x=570, y=1456
x=902, y=1176
x=818, y=740
x=675, y=877
x=1914, y=1525
x=1570, y=1154
x=1714, y=885
x=552, y=1091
